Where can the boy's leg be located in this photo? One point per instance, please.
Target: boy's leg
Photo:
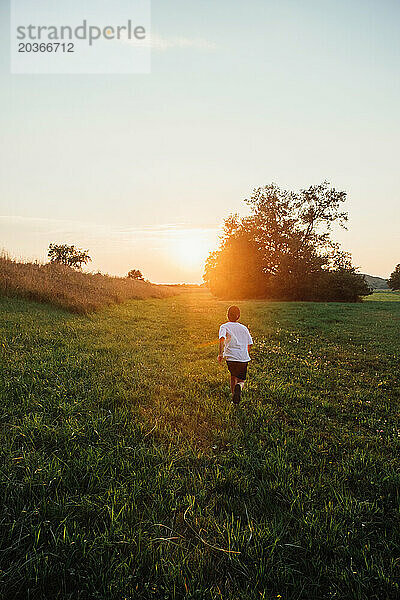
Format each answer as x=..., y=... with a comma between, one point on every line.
x=237, y=385
x=234, y=381
x=237, y=390
x=240, y=381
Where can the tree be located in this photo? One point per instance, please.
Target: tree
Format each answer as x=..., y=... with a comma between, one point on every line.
x=294, y=228
x=394, y=279
x=135, y=274
x=236, y=269
x=68, y=255
x=284, y=248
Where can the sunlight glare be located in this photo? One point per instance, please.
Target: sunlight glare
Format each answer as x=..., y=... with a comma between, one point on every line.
x=190, y=249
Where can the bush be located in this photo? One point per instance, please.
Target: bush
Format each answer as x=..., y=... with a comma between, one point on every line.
x=342, y=285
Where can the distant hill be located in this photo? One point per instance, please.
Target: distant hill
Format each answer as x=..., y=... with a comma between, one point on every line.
x=376, y=283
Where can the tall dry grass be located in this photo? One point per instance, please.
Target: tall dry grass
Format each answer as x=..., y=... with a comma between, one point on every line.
x=69, y=289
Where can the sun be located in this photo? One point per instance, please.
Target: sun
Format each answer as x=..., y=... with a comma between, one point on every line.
x=190, y=249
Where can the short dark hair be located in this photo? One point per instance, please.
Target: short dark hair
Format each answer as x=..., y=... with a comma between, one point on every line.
x=233, y=313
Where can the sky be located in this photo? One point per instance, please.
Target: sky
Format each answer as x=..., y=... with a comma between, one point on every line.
x=141, y=169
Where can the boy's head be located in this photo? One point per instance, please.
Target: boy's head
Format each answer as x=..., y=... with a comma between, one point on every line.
x=233, y=313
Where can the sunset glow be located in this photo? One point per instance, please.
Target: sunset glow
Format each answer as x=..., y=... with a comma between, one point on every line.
x=190, y=249
x=142, y=170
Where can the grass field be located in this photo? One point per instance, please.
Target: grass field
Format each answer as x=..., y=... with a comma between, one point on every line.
x=69, y=288
x=384, y=296
x=128, y=474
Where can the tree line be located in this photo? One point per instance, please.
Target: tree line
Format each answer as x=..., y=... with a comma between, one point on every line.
x=284, y=250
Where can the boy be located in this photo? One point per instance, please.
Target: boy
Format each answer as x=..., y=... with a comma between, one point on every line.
x=235, y=342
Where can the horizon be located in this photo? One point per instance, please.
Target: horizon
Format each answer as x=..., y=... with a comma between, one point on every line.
x=142, y=169
x=86, y=269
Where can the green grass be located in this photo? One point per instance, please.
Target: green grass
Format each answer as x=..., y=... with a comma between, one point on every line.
x=384, y=296
x=128, y=474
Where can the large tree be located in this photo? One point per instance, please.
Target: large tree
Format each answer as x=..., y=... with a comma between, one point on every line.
x=284, y=248
x=235, y=268
x=394, y=279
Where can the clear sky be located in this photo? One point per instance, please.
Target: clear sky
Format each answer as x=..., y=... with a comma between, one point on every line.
x=142, y=169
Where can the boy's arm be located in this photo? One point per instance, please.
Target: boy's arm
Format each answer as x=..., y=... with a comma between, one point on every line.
x=221, y=349
x=250, y=345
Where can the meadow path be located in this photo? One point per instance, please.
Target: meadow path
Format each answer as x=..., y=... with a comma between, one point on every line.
x=128, y=474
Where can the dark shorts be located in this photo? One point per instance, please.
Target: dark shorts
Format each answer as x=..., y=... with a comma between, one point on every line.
x=237, y=369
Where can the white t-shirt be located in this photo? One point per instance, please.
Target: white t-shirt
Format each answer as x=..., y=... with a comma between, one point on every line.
x=237, y=338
